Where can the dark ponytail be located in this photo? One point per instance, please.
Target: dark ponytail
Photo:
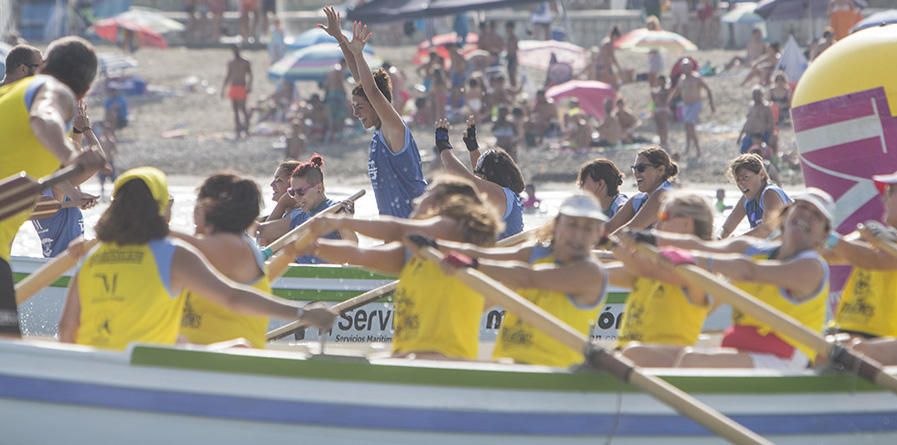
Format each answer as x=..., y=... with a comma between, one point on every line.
x=133, y=217
x=231, y=203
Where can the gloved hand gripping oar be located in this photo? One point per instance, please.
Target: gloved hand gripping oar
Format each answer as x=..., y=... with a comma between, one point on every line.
x=746, y=303
x=610, y=361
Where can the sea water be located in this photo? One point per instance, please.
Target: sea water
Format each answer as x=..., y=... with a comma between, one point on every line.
x=184, y=192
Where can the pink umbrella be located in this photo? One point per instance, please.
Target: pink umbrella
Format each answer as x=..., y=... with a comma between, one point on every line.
x=108, y=29
x=537, y=53
x=590, y=93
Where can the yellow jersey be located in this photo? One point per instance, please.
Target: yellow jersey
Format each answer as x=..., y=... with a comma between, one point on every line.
x=525, y=343
x=126, y=296
x=19, y=149
x=207, y=322
x=660, y=313
x=869, y=303
x=810, y=312
x=435, y=312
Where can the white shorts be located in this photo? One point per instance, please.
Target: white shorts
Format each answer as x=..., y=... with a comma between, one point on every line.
x=679, y=10
x=797, y=362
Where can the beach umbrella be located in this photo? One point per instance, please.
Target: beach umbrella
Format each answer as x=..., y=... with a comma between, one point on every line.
x=644, y=40
x=311, y=37
x=877, y=19
x=537, y=53
x=147, y=24
x=440, y=42
x=313, y=63
x=591, y=95
x=742, y=14
x=795, y=9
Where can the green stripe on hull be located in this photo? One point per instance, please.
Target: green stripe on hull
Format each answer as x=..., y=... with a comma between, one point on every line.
x=336, y=272
x=358, y=370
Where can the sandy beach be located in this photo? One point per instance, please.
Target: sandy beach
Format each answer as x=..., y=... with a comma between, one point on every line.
x=205, y=124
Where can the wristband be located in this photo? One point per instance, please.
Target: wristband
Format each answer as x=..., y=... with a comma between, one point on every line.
x=832, y=240
x=442, y=140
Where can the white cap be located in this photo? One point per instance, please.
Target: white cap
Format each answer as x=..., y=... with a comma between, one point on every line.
x=582, y=205
x=821, y=200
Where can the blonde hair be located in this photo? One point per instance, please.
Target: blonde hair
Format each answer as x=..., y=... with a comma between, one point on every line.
x=695, y=207
x=480, y=223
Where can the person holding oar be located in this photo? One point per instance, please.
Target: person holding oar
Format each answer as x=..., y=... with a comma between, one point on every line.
x=789, y=275
x=127, y=289
x=306, y=188
x=495, y=173
x=867, y=310
x=35, y=115
x=759, y=197
x=560, y=277
x=394, y=165
x=664, y=313
x=226, y=206
x=436, y=316
x=653, y=170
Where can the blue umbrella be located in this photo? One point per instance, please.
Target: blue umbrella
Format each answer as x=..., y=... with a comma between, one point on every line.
x=877, y=19
x=795, y=9
x=313, y=63
x=311, y=37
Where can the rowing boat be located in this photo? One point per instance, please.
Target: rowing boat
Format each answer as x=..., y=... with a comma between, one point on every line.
x=329, y=283
x=56, y=393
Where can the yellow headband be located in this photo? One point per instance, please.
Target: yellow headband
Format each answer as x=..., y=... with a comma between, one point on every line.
x=155, y=181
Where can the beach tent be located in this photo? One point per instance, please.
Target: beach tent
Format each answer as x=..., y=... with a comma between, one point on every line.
x=380, y=11
x=793, y=62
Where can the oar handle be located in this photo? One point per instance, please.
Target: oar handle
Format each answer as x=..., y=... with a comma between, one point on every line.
x=270, y=249
x=519, y=238
x=612, y=362
x=779, y=321
x=49, y=272
x=343, y=306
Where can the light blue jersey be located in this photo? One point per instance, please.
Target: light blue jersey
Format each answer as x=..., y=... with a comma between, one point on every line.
x=397, y=178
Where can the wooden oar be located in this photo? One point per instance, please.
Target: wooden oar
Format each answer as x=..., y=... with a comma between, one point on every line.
x=343, y=306
x=49, y=207
x=49, y=272
x=519, y=238
x=293, y=234
x=610, y=361
x=883, y=244
x=782, y=323
x=20, y=192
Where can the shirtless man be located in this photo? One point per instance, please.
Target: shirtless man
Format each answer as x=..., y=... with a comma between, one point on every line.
x=543, y=116
x=238, y=84
x=690, y=86
x=759, y=125
x=606, y=60
x=336, y=101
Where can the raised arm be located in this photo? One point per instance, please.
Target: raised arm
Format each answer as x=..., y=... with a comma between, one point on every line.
x=453, y=165
x=470, y=140
x=333, y=29
x=391, y=124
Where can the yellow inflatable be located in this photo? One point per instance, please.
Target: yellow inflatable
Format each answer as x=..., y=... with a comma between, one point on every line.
x=843, y=114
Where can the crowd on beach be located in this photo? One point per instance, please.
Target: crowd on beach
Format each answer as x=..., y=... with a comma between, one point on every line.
x=143, y=282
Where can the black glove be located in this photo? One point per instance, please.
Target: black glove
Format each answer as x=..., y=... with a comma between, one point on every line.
x=643, y=236
x=470, y=138
x=442, y=140
x=422, y=241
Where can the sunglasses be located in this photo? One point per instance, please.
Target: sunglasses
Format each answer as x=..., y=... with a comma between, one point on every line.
x=299, y=192
x=640, y=168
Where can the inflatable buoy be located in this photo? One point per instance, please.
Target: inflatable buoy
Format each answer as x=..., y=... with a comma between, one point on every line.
x=844, y=121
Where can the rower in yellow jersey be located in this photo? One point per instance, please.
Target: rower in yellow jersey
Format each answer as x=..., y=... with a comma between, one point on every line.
x=789, y=275
x=226, y=206
x=436, y=315
x=128, y=287
x=663, y=314
x=561, y=277
x=867, y=310
x=35, y=115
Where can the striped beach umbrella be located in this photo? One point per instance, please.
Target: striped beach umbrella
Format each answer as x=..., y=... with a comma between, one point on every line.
x=537, y=53
x=644, y=40
x=313, y=63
